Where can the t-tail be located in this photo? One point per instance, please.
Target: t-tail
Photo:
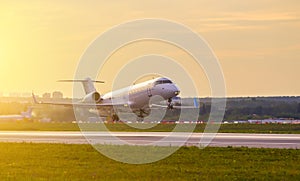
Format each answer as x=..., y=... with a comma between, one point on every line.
x=88, y=84
x=92, y=96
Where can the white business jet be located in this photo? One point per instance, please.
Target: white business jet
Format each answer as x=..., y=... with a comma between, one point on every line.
x=135, y=97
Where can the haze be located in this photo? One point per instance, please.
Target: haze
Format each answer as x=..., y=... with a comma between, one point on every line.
x=257, y=42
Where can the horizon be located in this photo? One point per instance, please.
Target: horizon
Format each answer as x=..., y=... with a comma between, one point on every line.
x=29, y=95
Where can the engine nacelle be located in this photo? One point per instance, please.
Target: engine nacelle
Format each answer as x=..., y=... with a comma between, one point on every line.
x=92, y=97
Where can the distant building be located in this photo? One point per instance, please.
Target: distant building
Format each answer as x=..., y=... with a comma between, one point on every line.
x=46, y=95
x=14, y=94
x=26, y=94
x=57, y=95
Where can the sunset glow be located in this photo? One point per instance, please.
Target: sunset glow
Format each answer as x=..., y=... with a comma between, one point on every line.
x=256, y=42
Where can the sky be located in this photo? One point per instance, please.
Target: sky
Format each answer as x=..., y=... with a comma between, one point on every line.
x=257, y=42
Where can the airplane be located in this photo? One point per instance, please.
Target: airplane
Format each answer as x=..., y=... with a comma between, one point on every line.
x=135, y=97
x=177, y=103
x=23, y=115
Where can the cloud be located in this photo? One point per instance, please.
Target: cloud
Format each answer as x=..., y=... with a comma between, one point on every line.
x=240, y=21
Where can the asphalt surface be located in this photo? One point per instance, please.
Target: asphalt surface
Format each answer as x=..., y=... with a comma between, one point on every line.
x=155, y=138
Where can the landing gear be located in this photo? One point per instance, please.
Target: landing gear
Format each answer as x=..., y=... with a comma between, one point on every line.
x=115, y=118
x=140, y=119
x=141, y=114
x=170, y=104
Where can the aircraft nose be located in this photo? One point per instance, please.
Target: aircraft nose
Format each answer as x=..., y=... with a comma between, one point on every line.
x=175, y=90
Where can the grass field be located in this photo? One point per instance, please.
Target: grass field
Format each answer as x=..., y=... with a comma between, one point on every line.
x=225, y=128
x=25, y=161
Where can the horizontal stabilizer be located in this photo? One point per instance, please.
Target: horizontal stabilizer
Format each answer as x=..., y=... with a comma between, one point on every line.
x=95, y=81
x=87, y=84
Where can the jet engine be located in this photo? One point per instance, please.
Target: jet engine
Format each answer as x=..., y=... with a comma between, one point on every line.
x=93, y=97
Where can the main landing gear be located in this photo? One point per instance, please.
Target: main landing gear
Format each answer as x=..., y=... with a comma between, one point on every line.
x=141, y=114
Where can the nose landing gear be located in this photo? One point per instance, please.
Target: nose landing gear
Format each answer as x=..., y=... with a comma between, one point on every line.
x=170, y=104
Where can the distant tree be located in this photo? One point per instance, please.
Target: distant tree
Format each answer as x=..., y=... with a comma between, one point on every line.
x=203, y=110
x=258, y=110
x=298, y=110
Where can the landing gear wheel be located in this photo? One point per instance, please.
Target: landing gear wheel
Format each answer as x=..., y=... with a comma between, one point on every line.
x=170, y=104
x=115, y=118
x=140, y=119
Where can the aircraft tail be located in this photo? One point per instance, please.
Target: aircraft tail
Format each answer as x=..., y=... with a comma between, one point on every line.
x=28, y=113
x=196, y=104
x=87, y=84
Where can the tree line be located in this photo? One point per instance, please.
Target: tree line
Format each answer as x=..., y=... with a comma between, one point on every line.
x=236, y=109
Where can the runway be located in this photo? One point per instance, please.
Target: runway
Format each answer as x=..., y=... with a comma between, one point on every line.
x=154, y=138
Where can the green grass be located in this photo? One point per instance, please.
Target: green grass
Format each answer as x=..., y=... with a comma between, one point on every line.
x=25, y=161
x=225, y=128
x=35, y=126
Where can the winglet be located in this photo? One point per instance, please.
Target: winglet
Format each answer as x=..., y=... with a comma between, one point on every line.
x=34, y=98
x=196, y=103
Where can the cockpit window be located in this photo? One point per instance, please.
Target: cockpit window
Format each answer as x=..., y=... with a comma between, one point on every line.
x=166, y=81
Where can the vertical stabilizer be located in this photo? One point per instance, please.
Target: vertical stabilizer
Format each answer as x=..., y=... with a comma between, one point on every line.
x=28, y=113
x=196, y=104
x=88, y=85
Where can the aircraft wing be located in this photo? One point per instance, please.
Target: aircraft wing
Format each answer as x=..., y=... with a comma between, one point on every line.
x=79, y=104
